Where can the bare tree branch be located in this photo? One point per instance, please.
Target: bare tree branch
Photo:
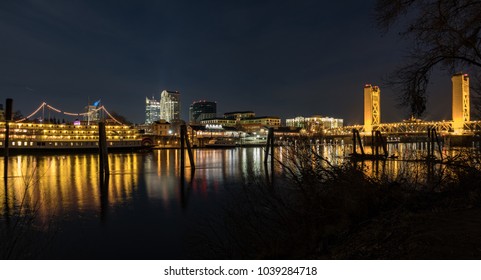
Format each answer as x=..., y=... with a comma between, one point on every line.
x=445, y=35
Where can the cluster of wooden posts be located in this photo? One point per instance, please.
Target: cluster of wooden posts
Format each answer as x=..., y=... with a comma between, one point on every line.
x=378, y=142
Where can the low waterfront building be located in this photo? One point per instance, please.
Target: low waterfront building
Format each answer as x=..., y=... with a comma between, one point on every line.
x=314, y=124
x=256, y=123
x=296, y=122
x=225, y=122
x=161, y=128
x=285, y=131
x=239, y=115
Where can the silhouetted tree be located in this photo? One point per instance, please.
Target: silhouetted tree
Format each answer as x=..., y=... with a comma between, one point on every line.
x=17, y=115
x=445, y=34
x=120, y=118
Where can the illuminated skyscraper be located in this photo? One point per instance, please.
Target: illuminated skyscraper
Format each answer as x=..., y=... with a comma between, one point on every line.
x=201, y=110
x=152, y=110
x=170, y=105
x=2, y=113
x=93, y=112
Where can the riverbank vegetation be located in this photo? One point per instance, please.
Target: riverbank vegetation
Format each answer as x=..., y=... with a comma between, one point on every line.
x=24, y=232
x=316, y=210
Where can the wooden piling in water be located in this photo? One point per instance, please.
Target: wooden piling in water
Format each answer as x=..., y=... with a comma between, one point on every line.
x=429, y=144
x=433, y=139
x=103, y=151
x=184, y=141
x=269, y=150
x=266, y=152
x=380, y=141
x=8, y=118
x=271, y=133
x=438, y=142
x=356, y=137
x=189, y=150
x=269, y=146
x=354, y=144
x=182, y=146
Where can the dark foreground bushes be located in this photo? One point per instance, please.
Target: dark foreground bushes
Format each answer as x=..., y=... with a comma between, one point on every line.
x=314, y=210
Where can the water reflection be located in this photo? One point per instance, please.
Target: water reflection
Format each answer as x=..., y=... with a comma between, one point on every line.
x=144, y=198
x=70, y=183
x=60, y=185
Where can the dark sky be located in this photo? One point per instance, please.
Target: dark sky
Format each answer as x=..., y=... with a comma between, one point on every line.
x=282, y=58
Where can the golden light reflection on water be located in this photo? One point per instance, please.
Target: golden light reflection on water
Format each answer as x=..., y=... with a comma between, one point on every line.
x=53, y=185
x=61, y=185
x=57, y=185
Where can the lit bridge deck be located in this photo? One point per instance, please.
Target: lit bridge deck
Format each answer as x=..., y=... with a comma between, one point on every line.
x=409, y=128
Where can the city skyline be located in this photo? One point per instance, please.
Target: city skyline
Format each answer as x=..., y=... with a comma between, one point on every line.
x=285, y=58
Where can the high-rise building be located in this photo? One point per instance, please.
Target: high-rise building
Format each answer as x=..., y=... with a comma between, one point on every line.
x=461, y=110
x=2, y=113
x=93, y=112
x=170, y=105
x=372, y=107
x=201, y=110
x=152, y=110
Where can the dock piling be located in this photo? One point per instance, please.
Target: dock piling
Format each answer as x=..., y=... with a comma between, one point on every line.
x=184, y=141
x=269, y=147
x=8, y=118
x=356, y=137
x=103, y=152
x=269, y=150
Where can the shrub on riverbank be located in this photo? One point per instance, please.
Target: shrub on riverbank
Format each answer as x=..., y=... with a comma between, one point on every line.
x=25, y=233
x=318, y=210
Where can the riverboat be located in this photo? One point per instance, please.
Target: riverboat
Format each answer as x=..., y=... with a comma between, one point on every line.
x=28, y=137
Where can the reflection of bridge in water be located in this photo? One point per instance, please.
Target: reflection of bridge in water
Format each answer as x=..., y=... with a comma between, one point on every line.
x=459, y=125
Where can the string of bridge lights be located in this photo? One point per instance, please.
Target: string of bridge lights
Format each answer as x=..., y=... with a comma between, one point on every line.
x=44, y=104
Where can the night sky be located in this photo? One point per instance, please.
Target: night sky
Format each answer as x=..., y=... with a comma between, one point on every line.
x=280, y=58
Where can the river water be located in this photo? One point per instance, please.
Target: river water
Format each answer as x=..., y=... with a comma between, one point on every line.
x=144, y=212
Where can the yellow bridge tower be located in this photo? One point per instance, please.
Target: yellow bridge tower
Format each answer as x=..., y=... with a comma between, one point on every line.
x=461, y=112
x=372, y=107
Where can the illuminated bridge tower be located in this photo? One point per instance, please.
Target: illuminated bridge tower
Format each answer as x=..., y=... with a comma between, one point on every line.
x=460, y=101
x=372, y=107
